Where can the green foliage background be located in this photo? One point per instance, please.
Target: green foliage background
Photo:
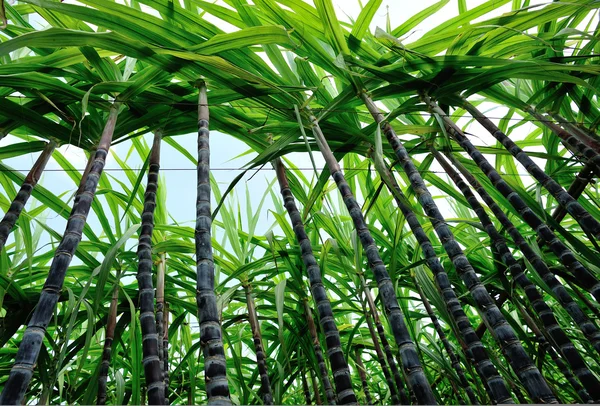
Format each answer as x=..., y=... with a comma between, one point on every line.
x=57, y=83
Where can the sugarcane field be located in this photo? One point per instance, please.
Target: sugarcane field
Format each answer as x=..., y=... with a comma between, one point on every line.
x=299, y=202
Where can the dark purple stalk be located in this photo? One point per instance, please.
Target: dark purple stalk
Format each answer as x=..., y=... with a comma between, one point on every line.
x=571, y=205
x=160, y=307
x=545, y=345
x=583, y=134
x=503, y=332
x=305, y=387
x=29, y=349
x=451, y=354
x=562, y=295
x=339, y=365
x=564, y=254
x=417, y=381
x=215, y=365
x=381, y=359
x=18, y=204
x=384, y=342
x=474, y=348
x=576, y=188
x=150, y=339
x=559, y=337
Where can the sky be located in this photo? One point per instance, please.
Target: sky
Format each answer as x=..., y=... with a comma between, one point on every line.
x=179, y=174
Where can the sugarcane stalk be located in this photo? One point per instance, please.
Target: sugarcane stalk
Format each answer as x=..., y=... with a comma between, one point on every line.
x=564, y=254
x=559, y=337
x=417, y=381
x=545, y=344
x=150, y=339
x=109, y=336
x=29, y=349
x=312, y=329
x=451, y=354
x=18, y=204
x=339, y=365
x=588, y=223
x=82, y=182
x=362, y=374
x=503, y=332
x=384, y=342
x=474, y=347
x=215, y=365
x=160, y=306
x=265, y=385
x=381, y=359
x=564, y=298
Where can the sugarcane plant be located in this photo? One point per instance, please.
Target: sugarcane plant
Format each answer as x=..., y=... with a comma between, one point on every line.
x=469, y=274
x=18, y=204
x=151, y=347
x=210, y=329
x=417, y=381
x=341, y=373
x=22, y=371
x=559, y=337
x=565, y=255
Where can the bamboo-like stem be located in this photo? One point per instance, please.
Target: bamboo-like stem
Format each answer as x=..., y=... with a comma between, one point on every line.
x=165, y=339
x=576, y=188
x=160, y=306
x=562, y=295
x=150, y=338
x=18, y=204
x=29, y=349
x=312, y=329
x=362, y=373
x=481, y=328
x=544, y=344
x=384, y=342
x=471, y=340
x=564, y=254
x=215, y=365
x=503, y=332
x=588, y=223
x=451, y=354
x=417, y=381
x=109, y=335
x=265, y=385
x=82, y=182
x=316, y=389
x=339, y=365
x=559, y=337
x=381, y=359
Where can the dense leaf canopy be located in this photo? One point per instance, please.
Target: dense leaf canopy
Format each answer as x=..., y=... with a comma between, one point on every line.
x=269, y=66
